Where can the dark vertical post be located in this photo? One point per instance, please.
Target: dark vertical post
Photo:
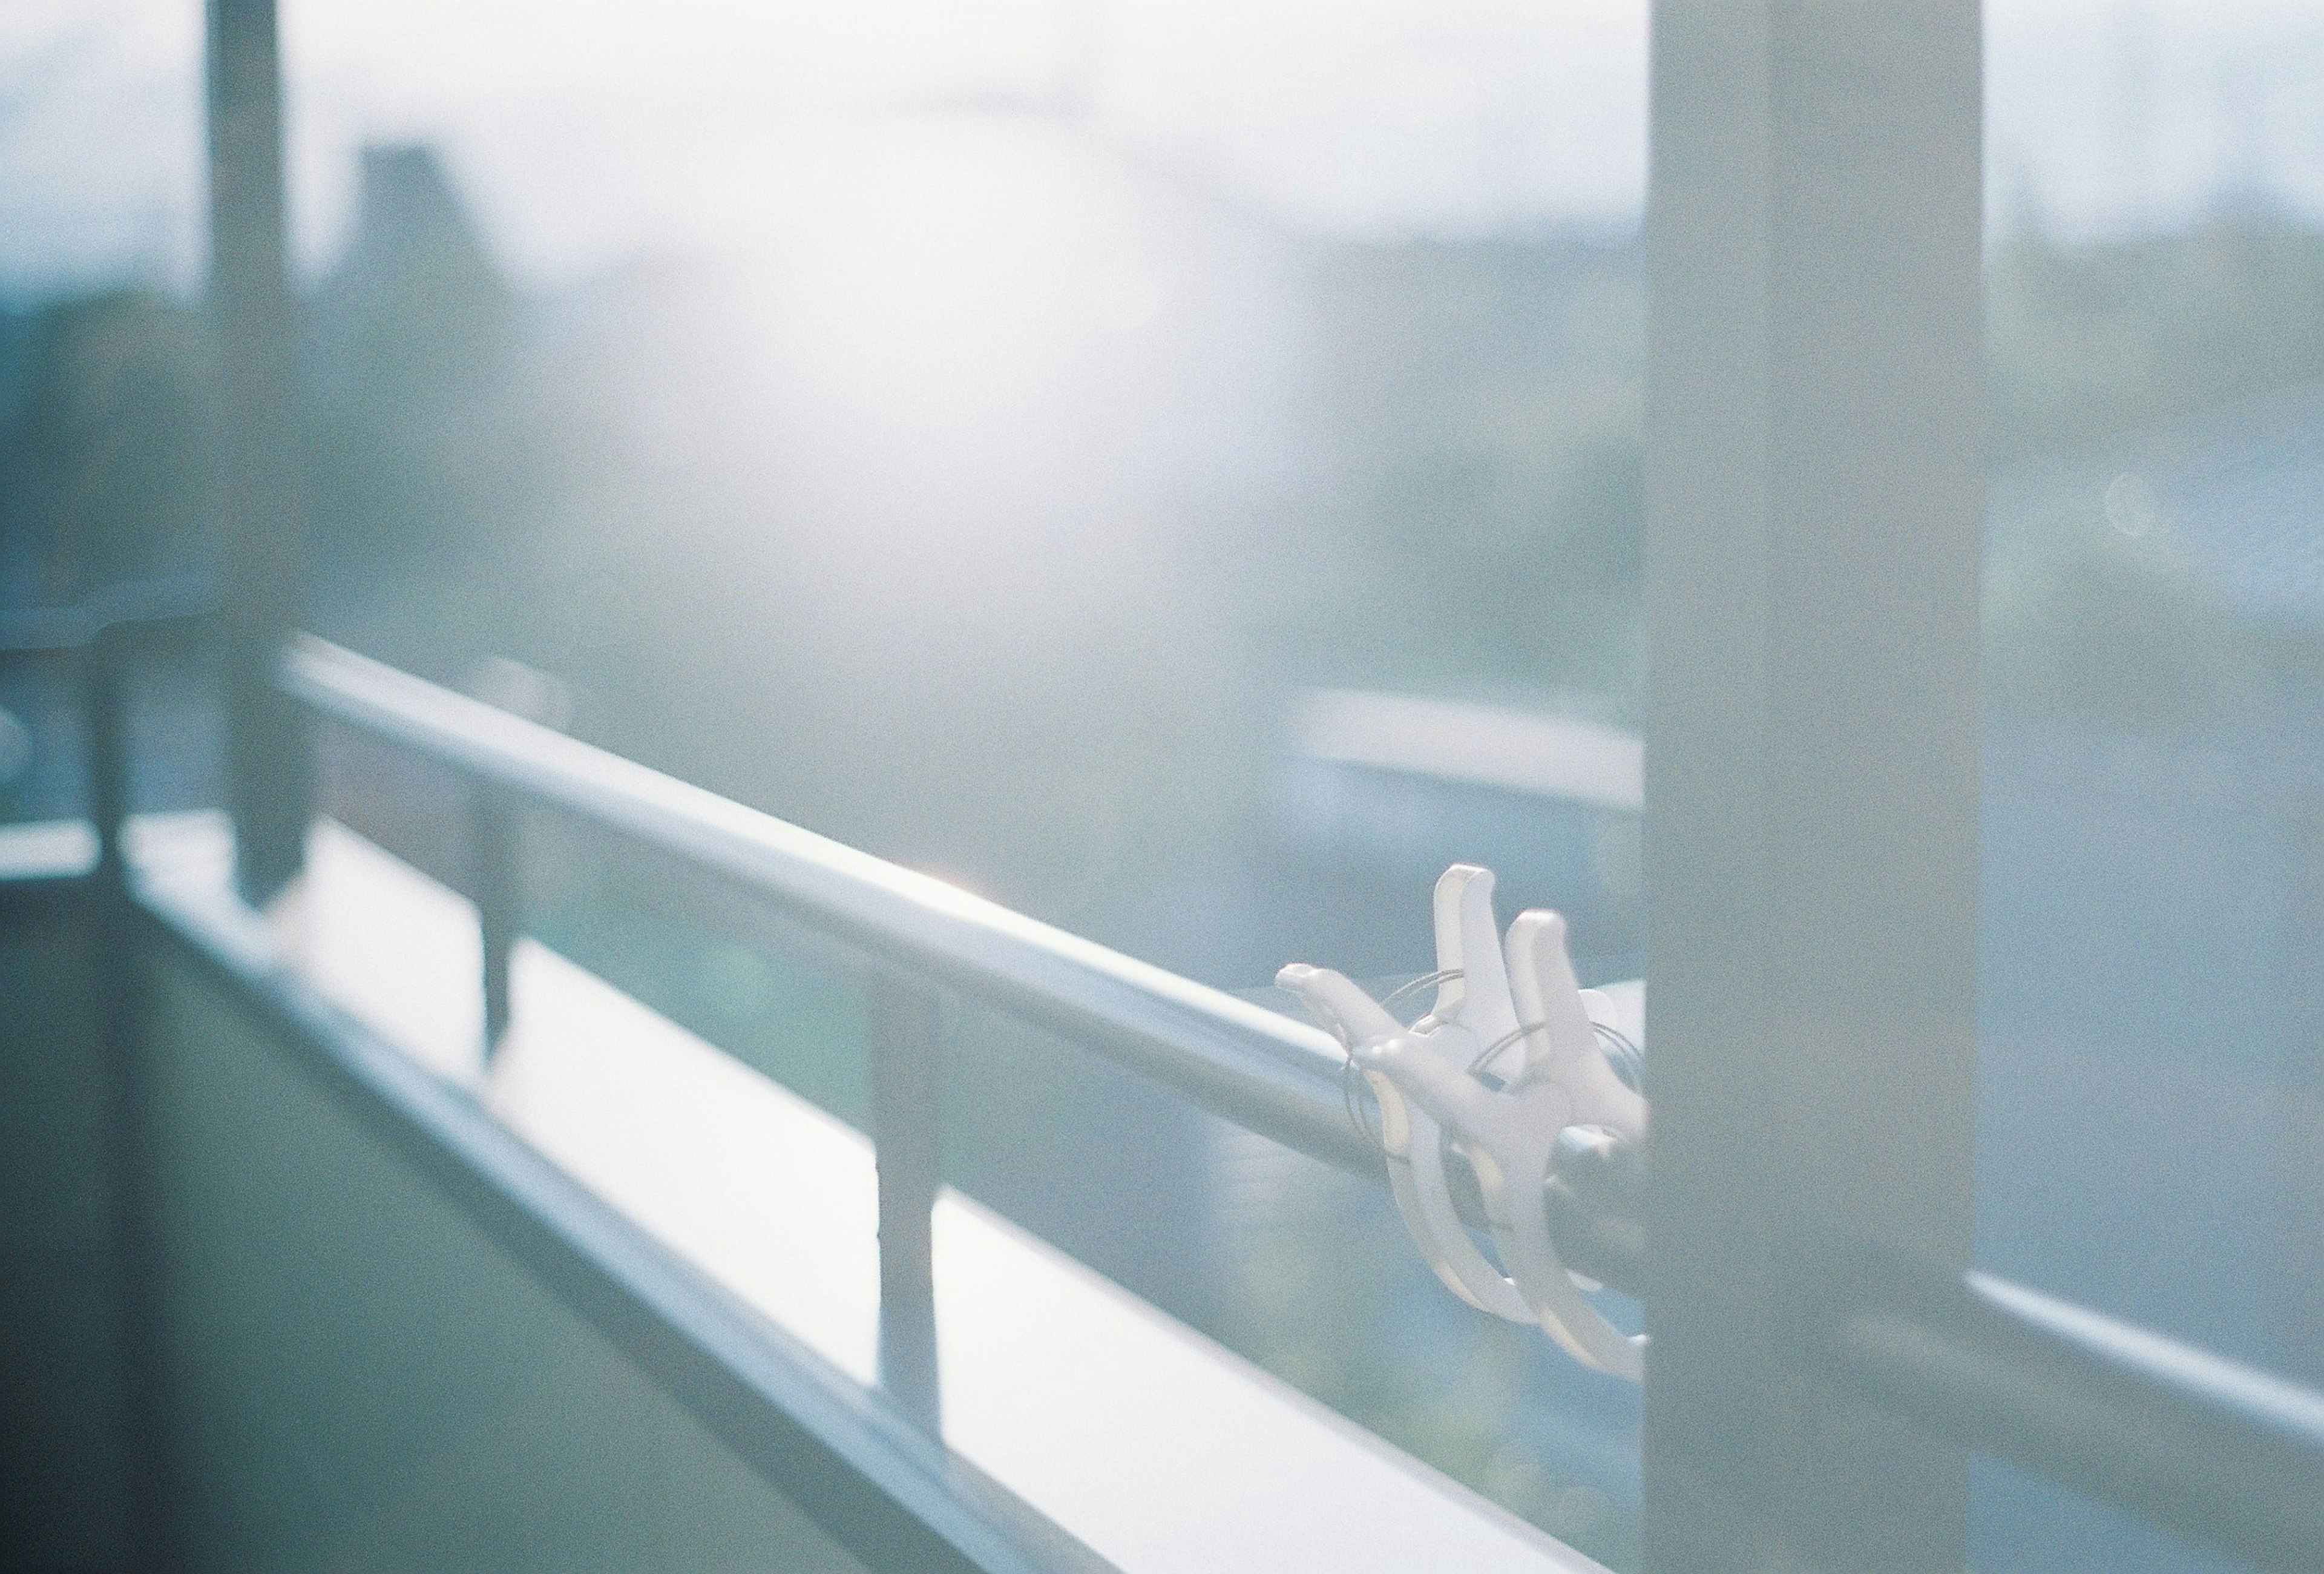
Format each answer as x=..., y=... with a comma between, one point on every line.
x=120, y=988
x=906, y=1046
x=105, y=703
x=264, y=535
x=499, y=903
x=1814, y=506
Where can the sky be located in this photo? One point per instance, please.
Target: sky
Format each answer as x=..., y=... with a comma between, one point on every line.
x=587, y=133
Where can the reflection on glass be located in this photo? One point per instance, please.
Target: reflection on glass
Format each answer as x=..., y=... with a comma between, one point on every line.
x=2152, y=1062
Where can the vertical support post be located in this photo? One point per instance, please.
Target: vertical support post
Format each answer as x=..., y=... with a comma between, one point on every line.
x=117, y=970
x=1814, y=504
x=497, y=871
x=252, y=313
x=906, y=1048
x=105, y=704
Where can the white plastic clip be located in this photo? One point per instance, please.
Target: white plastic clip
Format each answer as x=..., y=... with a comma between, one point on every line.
x=1523, y=1021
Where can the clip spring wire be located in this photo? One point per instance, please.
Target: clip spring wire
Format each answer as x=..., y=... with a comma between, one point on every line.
x=1441, y=975
x=1623, y=1056
x=1621, y=1053
x=1504, y=1130
x=1348, y=1067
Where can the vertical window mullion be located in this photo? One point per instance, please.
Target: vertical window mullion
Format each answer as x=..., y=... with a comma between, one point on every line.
x=1815, y=480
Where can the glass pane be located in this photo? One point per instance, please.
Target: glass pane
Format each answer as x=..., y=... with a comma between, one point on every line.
x=100, y=154
x=2023, y=1525
x=2152, y=1040
x=1002, y=438
x=104, y=376
x=1172, y=469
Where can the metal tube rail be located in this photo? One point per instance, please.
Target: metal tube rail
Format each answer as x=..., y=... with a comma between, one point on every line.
x=37, y=632
x=97, y=641
x=1250, y=1065
x=2214, y=1450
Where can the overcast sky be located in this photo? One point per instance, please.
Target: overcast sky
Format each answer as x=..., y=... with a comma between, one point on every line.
x=586, y=133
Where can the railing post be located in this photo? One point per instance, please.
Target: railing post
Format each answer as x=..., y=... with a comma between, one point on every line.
x=906, y=1023
x=105, y=713
x=497, y=875
x=120, y=995
x=269, y=785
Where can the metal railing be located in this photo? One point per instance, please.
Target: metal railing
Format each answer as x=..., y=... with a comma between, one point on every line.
x=1255, y=1067
x=1250, y=1066
x=2214, y=1450
x=97, y=644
